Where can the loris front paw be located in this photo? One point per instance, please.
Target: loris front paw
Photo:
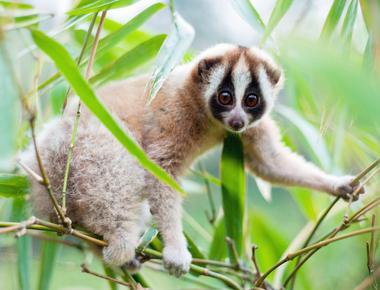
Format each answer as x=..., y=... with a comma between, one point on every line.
x=177, y=260
x=343, y=188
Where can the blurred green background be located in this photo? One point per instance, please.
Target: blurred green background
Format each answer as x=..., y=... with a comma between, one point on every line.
x=329, y=111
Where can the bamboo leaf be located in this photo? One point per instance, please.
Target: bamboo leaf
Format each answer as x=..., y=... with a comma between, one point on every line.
x=110, y=273
x=349, y=21
x=171, y=53
x=128, y=62
x=9, y=108
x=333, y=18
x=23, y=246
x=233, y=190
x=249, y=13
x=311, y=135
x=12, y=185
x=340, y=78
x=67, y=66
x=98, y=5
x=15, y=5
x=279, y=10
x=49, y=252
x=147, y=238
x=265, y=188
x=218, y=249
x=9, y=21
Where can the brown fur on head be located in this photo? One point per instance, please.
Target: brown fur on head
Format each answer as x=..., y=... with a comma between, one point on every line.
x=239, y=84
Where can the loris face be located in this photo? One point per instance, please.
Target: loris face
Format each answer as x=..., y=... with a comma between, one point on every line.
x=239, y=84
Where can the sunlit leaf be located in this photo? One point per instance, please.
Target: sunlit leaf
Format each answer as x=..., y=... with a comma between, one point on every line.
x=70, y=71
x=149, y=235
x=279, y=10
x=128, y=62
x=265, y=188
x=332, y=20
x=12, y=185
x=249, y=13
x=233, y=189
x=99, y=5
x=171, y=53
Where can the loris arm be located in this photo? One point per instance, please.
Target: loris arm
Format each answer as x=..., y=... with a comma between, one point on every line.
x=271, y=160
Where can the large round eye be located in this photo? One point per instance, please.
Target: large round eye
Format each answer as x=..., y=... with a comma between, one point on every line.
x=225, y=98
x=252, y=101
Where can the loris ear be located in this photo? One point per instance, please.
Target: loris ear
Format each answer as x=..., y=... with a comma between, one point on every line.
x=275, y=75
x=205, y=66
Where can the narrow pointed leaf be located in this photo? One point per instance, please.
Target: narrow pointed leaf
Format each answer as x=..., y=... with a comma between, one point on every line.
x=249, y=13
x=49, y=252
x=349, y=21
x=15, y=5
x=218, y=248
x=23, y=246
x=131, y=60
x=279, y=10
x=12, y=185
x=67, y=66
x=9, y=108
x=233, y=190
x=171, y=53
x=333, y=17
x=99, y=5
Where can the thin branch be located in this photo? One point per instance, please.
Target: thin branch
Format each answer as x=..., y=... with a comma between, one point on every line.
x=367, y=282
x=232, y=247
x=88, y=271
x=48, y=226
x=30, y=172
x=78, y=113
x=318, y=245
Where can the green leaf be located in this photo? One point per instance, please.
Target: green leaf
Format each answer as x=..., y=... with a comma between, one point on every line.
x=23, y=246
x=67, y=66
x=311, y=135
x=9, y=22
x=249, y=13
x=333, y=18
x=110, y=273
x=147, y=238
x=233, y=190
x=171, y=53
x=278, y=12
x=49, y=252
x=99, y=5
x=15, y=5
x=218, y=247
x=131, y=60
x=9, y=108
x=116, y=37
x=349, y=21
x=193, y=248
x=336, y=76
x=12, y=185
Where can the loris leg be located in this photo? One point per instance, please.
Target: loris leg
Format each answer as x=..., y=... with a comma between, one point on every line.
x=165, y=205
x=122, y=243
x=268, y=158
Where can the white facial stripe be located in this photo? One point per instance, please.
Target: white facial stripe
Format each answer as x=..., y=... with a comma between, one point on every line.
x=214, y=80
x=266, y=87
x=241, y=78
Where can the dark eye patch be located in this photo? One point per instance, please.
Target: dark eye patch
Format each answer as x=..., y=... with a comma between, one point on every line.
x=257, y=112
x=216, y=108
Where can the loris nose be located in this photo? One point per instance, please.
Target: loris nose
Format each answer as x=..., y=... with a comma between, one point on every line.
x=236, y=124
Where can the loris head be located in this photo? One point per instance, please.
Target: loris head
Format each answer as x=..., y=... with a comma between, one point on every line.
x=238, y=84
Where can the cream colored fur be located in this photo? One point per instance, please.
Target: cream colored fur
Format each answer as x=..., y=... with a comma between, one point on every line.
x=108, y=190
